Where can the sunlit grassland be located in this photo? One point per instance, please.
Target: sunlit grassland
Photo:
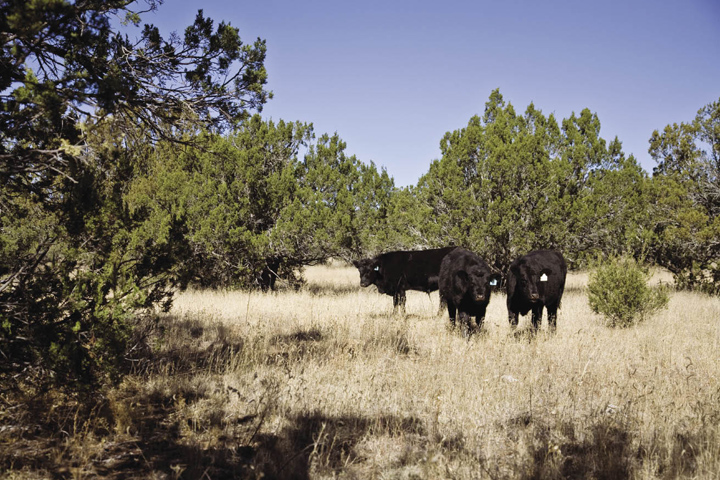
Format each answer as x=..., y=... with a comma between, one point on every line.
x=382, y=395
x=325, y=382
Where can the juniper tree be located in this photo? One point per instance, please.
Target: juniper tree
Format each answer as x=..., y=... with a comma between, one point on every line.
x=686, y=203
x=75, y=263
x=509, y=183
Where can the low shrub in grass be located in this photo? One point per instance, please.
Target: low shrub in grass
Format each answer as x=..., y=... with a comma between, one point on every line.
x=618, y=290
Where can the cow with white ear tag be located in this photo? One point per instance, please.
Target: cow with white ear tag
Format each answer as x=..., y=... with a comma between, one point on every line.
x=534, y=281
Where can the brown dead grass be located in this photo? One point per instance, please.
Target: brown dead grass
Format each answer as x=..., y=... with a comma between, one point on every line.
x=326, y=383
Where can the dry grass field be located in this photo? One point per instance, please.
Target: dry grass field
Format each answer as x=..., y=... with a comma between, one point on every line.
x=325, y=382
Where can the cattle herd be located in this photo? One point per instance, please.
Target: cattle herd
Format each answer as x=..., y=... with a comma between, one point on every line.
x=534, y=281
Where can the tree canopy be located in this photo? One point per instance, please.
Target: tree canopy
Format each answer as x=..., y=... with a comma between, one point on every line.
x=82, y=103
x=509, y=183
x=686, y=199
x=255, y=210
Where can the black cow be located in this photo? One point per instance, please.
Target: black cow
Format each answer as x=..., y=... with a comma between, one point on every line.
x=465, y=281
x=534, y=281
x=396, y=272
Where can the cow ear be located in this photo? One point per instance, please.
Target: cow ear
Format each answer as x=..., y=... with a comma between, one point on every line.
x=356, y=263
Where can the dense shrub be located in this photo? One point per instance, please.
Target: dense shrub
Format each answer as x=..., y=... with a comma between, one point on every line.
x=84, y=106
x=619, y=291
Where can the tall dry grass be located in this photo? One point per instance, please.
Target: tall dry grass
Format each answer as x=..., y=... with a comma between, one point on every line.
x=325, y=383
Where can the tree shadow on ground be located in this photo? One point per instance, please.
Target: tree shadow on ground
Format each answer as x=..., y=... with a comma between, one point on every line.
x=153, y=445
x=323, y=443
x=303, y=344
x=309, y=443
x=604, y=451
x=184, y=345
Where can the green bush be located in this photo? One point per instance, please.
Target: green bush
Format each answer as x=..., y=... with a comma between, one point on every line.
x=619, y=291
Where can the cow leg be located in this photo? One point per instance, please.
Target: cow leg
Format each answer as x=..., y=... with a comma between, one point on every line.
x=552, y=317
x=399, y=302
x=443, y=304
x=513, y=319
x=537, y=316
x=465, y=324
x=451, y=311
x=480, y=318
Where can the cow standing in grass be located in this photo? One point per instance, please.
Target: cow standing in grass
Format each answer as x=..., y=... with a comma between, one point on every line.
x=465, y=284
x=394, y=273
x=534, y=281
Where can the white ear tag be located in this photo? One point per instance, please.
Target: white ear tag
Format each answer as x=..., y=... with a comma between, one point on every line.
x=377, y=268
x=543, y=277
x=493, y=282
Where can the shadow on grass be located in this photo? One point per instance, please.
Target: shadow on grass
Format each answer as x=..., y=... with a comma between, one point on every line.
x=185, y=345
x=300, y=345
x=160, y=444
x=325, y=444
x=604, y=451
x=313, y=442
x=153, y=444
x=393, y=339
x=181, y=431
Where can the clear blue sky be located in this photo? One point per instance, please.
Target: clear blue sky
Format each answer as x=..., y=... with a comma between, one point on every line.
x=391, y=77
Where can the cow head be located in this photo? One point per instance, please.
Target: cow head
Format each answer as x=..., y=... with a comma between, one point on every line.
x=370, y=271
x=531, y=281
x=476, y=283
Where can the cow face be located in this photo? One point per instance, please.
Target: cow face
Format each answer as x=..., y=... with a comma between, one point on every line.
x=532, y=281
x=370, y=272
x=477, y=283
